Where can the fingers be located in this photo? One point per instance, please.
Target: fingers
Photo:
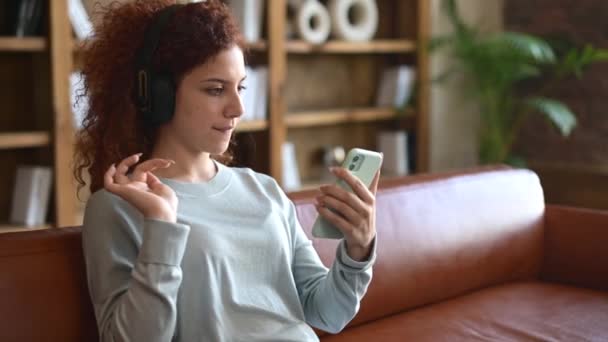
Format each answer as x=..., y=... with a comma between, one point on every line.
x=374, y=187
x=152, y=181
x=121, y=170
x=150, y=165
x=335, y=219
x=344, y=209
x=355, y=183
x=348, y=198
x=108, y=179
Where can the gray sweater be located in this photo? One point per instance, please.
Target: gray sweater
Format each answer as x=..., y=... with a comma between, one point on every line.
x=236, y=267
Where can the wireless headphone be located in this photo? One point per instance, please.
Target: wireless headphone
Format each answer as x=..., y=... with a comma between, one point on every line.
x=155, y=96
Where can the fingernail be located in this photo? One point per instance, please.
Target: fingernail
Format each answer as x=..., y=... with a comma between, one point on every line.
x=170, y=161
x=139, y=154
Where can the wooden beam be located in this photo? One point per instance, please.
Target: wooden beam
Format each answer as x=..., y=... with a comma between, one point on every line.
x=60, y=33
x=423, y=74
x=277, y=60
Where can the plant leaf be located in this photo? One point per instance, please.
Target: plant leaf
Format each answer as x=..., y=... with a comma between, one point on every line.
x=528, y=46
x=557, y=112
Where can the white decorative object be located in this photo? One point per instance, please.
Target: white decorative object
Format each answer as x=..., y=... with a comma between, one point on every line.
x=80, y=19
x=312, y=22
x=396, y=86
x=249, y=14
x=31, y=195
x=364, y=15
x=291, y=175
x=393, y=144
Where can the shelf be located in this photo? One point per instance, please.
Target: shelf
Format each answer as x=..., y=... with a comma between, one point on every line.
x=16, y=44
x=14, y=228
x=345, y=47
x=252, y=126
x=338, y=116
x=261, y=45
x=24, y=140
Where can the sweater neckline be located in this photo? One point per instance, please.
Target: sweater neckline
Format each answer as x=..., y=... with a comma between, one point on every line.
x=215, y=185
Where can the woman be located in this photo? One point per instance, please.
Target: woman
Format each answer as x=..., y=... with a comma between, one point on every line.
x=178, y=245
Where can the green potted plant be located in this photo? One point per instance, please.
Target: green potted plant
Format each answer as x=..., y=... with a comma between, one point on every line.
x=496, y=66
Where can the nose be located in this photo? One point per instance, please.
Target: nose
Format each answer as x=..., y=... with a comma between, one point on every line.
x=235, y=108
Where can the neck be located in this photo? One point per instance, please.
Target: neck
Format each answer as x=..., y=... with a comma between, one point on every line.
x=190, y=166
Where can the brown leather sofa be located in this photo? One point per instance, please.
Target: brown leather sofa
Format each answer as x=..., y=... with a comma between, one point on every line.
x=464, y=256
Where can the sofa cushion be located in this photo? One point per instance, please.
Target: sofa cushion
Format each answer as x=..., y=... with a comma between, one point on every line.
x=441, y=238
x=527, y=311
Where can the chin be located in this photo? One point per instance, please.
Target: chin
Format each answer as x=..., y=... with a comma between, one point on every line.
x=218, y=149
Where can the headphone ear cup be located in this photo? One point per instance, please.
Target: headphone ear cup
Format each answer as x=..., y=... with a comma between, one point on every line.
x=162, y=99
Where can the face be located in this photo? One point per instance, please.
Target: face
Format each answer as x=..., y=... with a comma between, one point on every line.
x=208, y=103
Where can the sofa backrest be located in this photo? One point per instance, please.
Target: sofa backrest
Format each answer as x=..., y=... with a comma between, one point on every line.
x=43, y=288
x=439, y=238
x=436, y=239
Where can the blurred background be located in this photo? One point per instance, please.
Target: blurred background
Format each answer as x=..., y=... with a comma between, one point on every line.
x=436, y=85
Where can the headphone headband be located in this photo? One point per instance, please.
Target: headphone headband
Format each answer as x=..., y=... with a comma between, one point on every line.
x=154, y=89
x=152, y=36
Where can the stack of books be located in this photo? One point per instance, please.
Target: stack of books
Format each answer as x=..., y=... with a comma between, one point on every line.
x=23, y=17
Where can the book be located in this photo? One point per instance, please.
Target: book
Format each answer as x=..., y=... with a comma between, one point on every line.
x=291, y=174
x=249, y=94
x=31, y=195
x=394, y=146
x=396, y=86
x=249, y=15
x=23, y=17
x=261, y=100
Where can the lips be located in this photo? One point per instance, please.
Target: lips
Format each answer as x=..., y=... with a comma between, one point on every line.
x=224, y=128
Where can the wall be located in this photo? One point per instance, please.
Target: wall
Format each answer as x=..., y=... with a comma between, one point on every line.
x=582, y=22
x=454, y=121
x=573, y=170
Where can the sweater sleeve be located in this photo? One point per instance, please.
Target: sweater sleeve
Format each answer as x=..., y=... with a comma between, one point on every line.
x=330, y=298
x=133, y=270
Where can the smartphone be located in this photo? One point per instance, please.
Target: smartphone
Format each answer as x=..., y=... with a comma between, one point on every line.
x=363, y=164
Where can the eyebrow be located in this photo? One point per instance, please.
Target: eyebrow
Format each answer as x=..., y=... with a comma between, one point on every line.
x=219, y=80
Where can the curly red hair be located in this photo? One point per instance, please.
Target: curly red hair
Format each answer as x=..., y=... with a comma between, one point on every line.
x=112, y=127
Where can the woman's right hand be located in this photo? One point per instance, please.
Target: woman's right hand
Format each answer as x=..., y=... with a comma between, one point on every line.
x=143, y=189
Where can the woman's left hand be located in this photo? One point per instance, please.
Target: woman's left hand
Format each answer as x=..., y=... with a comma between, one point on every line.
x=356, y=212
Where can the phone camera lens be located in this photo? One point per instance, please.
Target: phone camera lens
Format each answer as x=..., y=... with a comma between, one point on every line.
x=351, y=167
x=356, y=158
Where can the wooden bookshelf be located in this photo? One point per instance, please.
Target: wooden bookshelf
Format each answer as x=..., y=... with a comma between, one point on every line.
x=24, y=140
x=292, y=64
x=338, y=116
x=27, y=44
x=380, y=46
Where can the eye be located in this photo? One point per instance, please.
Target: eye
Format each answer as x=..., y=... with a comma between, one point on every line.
x=241, y=88
x=215, y=91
